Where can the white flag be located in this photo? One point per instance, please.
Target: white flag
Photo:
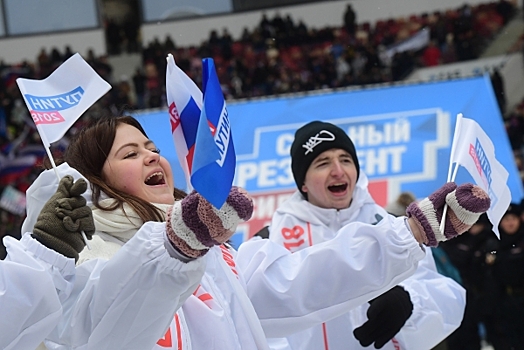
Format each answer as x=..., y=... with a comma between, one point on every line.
x=474, y=150
x=55, y=103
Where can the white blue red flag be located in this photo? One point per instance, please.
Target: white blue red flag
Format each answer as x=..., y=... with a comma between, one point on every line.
x=184, y=100
x=214, y=160
x=55, y=103
x=15, y=168
x=201, y=131
x=474, y=150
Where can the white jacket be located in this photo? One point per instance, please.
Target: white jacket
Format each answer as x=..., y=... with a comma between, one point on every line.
x=126, y=295
x=129, y=301
x=438, y=301
x=33, y=280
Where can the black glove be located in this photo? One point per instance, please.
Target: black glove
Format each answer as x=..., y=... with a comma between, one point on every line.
x=387, y=314
x=63, y=217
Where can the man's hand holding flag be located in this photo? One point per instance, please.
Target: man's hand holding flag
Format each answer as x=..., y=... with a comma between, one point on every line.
x=474, y=150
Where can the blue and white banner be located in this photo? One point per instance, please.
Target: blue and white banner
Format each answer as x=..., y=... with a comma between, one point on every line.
x=402, y=134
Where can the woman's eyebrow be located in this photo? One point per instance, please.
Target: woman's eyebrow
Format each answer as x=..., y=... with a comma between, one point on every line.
x=133, y=144
x=130, y=144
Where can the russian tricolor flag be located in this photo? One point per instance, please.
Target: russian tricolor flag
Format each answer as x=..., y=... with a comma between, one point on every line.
x=12, y=169
x=201, y=131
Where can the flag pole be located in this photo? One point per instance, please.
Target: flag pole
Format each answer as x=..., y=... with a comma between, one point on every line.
x=458, y=125
x=59, y=82
x=52, y=160
x=451, y=176
x=49, y=155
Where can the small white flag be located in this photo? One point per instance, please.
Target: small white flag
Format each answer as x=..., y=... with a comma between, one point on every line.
x=474, y=150
x=55, y=103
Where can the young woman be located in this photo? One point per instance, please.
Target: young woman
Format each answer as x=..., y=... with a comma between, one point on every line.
x=153, y=255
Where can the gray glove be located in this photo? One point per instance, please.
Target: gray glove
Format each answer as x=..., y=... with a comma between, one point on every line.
x=63, y=217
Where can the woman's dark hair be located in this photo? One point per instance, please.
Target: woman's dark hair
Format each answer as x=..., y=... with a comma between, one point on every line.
x=88, y=152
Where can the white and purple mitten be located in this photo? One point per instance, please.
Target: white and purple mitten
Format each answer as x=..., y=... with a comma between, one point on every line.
x=465, y=205
x=194, y=225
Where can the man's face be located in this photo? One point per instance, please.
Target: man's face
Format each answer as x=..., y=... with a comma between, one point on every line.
x=510, y=223
x=330, y=179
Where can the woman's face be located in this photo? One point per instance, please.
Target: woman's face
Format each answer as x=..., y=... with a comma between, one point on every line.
x=135, y=166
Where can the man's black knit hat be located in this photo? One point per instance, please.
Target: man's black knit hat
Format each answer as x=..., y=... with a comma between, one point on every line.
x=311, y=140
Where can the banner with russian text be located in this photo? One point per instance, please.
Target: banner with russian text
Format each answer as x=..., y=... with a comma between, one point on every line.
x=402, y=134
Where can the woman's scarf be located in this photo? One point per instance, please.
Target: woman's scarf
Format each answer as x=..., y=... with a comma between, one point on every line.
x=118, y=223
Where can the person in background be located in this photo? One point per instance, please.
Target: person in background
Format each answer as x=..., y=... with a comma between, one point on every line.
x=506, y=260
x=400, y=204
x=467, y=253
x=333, y=197
x=350, y=20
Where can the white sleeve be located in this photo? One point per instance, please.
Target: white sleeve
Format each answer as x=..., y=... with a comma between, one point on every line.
x=128, y=301
x=295, y=291
x=33, y=279
x=438, y=307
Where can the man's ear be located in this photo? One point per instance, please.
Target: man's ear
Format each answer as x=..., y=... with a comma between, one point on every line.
x=304, y=188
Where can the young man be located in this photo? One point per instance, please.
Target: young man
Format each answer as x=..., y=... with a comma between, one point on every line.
x=332, y=193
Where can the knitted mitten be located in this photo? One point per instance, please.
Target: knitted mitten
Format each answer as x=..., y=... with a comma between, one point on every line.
x=465, y=205
x=63, y=217
x=194, y=225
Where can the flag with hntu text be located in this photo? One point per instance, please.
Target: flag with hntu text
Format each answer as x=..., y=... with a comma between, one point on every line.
x=56, y=102
x=474, y=150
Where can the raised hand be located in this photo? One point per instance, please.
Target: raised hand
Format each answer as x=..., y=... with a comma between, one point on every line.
x=64, y=216
x=465, y=205
x=194, y=225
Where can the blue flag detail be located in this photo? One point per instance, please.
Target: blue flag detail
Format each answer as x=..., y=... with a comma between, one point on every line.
x=214, y=159
x=189, y=117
